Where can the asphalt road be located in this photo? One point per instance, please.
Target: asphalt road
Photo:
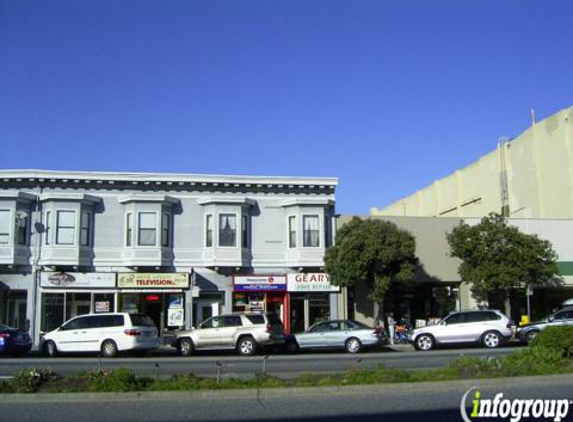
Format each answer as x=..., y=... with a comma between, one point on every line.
x=427, y=402
x=166, y=363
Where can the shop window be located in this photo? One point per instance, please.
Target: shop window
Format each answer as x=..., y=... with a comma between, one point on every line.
x=86, y=229
x=147, y=229
x=311, y=232
x=166, y=230
x=209, y=231
x=227, y=230
x=77, y=304
x=52, y=311
x=128, y=229
x=4, y=227
x=292, y=232
x=104, y=302
x=65, y=227
x=16, y=308
x=129, y=302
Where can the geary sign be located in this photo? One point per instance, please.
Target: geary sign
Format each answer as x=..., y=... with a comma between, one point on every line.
x=310, y=282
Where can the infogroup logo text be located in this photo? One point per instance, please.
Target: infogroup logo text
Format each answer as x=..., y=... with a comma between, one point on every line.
x=513, y=409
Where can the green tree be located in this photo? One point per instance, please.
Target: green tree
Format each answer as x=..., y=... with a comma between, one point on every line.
x=497, y=258
x=372, y=252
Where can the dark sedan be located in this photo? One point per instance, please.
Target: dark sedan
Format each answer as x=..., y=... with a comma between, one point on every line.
x=14, y=341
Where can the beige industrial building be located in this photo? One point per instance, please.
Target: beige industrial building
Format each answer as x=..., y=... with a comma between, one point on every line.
x=530, y=176
x=528, y=179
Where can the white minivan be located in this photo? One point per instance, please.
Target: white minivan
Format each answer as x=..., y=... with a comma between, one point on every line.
x=107, y=334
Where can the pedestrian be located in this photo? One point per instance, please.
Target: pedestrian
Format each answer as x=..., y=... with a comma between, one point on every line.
x=391, y=328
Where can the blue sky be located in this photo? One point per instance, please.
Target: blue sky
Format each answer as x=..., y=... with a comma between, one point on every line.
x=388, y=96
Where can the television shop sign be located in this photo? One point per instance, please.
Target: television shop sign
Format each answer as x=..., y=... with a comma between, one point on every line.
x=260, y=283
x=153, y=281
x=311, y=282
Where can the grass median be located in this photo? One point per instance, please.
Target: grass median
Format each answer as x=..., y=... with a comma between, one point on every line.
x=550, y=353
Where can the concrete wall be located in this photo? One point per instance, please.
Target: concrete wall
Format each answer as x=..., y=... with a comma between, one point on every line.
x=538, y=167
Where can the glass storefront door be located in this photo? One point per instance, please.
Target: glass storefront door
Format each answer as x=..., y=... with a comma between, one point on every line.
x=16, y=308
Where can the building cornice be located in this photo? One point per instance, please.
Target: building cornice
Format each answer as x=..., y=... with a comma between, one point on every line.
x=51, y=176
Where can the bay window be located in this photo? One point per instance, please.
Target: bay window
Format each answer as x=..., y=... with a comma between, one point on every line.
x=65, y=227
x=311, y=231
x=147, y=229
x=227, y=230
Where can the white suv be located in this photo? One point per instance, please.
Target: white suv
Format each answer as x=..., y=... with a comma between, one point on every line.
x=244, y=332
x=107, y=334
x=488, y=327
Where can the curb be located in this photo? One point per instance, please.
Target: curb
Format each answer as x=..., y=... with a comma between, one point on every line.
x=269, y=393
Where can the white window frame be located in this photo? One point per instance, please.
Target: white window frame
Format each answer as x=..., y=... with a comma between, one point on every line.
x=220, y=230
x=128, y=229
x=139, y=214
x=166, y=229
x=292, y=229
x=20, y=229
x=59, y=227
x=86, y=230
x=304, y=231
x=209, y=229
x=47, y=228
x=8, y=233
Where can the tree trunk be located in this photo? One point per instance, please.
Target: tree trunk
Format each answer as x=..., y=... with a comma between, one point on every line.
x=507, y=305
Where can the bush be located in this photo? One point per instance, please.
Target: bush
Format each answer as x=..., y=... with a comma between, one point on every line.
x=119, y=380
x=533, y=361
x=558, y=339
x=30, y=380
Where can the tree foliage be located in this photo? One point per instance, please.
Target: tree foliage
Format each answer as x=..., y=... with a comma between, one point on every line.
x=371, y=251
x=498, y=257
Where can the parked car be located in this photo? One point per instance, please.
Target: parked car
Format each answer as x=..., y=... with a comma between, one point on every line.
x=245, y=332
x=352, y=336
x=107, y=334
x=561, y=317
x=487, y=327
x=13, y=341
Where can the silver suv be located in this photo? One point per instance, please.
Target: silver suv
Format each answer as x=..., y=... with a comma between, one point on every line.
x=244, y=332
x=561, y=317
x=488, y=327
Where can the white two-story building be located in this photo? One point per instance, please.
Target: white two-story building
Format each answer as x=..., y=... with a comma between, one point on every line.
x=177, y=247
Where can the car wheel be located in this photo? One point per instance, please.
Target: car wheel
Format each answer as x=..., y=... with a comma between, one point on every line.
x=491, y=339
x=185, y=347
x=50, y=349
x=108, y=349
x=425, y=342
x=353, y=345
x=247, y=346
x=531, y=335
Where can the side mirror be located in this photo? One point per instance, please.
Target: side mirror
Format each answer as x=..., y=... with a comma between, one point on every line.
x=443, y=323
x=551, y=319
